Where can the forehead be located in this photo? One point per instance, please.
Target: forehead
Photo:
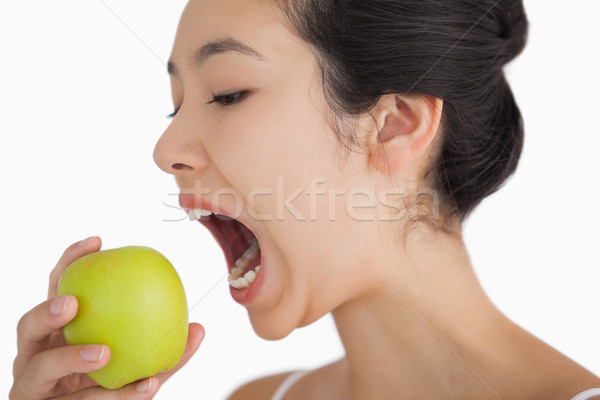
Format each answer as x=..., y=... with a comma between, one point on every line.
x=257, y=23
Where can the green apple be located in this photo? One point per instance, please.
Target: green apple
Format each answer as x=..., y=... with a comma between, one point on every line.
x=132, y=300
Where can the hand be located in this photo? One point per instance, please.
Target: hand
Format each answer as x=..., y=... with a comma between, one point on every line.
x=45, y=367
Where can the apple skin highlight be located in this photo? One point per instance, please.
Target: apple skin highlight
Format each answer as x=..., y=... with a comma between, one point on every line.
x=131, y=299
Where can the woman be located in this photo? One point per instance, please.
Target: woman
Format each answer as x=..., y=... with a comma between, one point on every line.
x=387, y=123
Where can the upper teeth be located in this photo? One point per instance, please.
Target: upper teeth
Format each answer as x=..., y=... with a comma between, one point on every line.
x=196, y=213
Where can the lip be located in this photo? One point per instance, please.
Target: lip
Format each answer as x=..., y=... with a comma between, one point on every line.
x=190, y=202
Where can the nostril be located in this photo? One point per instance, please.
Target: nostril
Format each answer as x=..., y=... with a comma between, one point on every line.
x=180, y=166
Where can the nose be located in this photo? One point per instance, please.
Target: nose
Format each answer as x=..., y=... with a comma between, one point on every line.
x=179, y=150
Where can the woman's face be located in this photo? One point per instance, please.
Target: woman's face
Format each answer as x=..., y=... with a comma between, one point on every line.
x=275, y=148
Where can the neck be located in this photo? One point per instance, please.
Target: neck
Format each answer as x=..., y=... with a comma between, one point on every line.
x=427, y=330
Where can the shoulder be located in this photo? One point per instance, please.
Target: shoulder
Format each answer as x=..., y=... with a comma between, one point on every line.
x=259, y=389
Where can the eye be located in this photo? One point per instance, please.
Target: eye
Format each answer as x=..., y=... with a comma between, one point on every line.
x=171, y=116
x=229, y=99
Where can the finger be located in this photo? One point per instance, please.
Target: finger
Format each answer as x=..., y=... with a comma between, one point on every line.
x=36, y=325
x=44, y=369
x=143, y=389
x=72, y=253
x=195, y=337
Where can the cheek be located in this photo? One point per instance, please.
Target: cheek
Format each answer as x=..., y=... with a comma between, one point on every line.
x=290, y=147
x=279, y=137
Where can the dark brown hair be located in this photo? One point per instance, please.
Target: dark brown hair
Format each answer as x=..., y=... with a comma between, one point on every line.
x=451, y=49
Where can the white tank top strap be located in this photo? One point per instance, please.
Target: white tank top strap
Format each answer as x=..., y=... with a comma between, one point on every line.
x=287, y=383
x=585, y=395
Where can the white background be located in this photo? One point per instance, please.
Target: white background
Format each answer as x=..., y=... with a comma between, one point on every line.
x=83, y=102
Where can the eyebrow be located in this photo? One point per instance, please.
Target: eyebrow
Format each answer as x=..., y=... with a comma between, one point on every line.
x=215, y=47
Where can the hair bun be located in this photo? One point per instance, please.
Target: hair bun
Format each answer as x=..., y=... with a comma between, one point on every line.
x=513, y=28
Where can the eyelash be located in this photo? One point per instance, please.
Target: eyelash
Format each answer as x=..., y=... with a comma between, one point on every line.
x=238, y=96
x=171, y=116
x=219, y=99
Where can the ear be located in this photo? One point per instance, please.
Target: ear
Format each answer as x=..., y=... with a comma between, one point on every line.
x=408, y=126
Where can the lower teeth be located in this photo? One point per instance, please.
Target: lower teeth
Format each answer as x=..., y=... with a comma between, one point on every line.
x=241, y=282
x=244, y=281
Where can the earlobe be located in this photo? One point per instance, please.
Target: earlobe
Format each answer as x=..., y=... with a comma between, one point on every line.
x=410, y=123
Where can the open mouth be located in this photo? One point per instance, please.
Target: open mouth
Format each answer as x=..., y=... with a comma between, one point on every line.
x=240, y=246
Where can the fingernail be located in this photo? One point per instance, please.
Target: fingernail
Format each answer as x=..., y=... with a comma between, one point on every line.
x=59, y=305
x=92, y=353
x=86, y=241
x=144, y=385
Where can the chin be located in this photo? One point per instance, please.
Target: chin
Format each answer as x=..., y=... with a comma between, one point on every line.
x=276, y=323
x=271, y=329
x=271, y=325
